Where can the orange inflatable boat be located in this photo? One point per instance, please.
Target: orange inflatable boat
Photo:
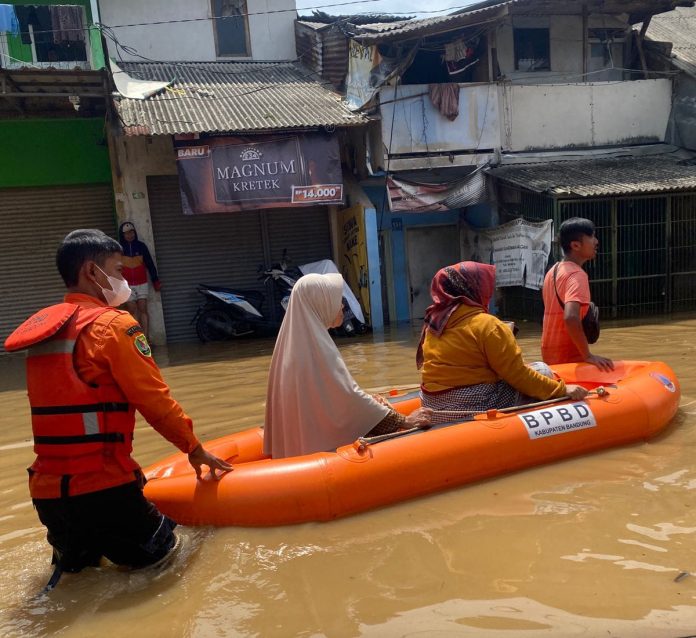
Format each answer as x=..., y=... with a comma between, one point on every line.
x=633, y=402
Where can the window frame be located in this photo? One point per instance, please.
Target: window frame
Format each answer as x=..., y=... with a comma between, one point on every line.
x=517, y=58
x=247, y=35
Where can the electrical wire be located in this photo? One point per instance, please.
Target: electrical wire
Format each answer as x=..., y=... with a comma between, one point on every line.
x=254, y=13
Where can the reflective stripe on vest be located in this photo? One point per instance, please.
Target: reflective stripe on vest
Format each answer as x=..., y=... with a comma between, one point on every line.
x=75, y=425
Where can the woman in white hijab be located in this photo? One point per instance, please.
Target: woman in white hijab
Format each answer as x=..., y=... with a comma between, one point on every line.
x=313, y=403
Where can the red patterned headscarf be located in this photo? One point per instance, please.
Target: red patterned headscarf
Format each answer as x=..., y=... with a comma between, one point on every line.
x=469, y=283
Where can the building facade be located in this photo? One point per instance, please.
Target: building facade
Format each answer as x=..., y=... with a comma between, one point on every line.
x=55, y=173
x=515, y=85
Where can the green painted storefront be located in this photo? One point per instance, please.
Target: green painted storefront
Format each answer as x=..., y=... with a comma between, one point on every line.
x=45, y=152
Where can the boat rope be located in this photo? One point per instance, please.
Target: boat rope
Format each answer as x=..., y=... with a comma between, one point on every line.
x=364, y=441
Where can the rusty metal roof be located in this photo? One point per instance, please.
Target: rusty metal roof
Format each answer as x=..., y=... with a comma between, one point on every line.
x=602, y=177
x=379, y=32
x=495, y=9
x=225, y=97
x=679, y=28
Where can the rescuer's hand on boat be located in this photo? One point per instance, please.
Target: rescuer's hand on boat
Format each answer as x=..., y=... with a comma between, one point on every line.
x=576, y=392
x=602, y=363
x=199, y=456
x=420, y=418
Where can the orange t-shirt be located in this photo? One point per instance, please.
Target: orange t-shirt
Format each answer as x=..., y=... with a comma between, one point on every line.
x=572, y=284
x=113, y=349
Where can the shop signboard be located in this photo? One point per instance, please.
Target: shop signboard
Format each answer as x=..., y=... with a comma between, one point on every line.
x=232, y=174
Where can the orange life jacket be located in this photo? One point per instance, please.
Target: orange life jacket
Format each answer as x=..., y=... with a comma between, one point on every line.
x=75, y=425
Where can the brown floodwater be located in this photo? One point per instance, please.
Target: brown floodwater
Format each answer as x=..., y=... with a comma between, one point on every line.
x=585, y=547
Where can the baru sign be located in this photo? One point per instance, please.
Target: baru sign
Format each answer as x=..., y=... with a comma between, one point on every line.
x=231, y=174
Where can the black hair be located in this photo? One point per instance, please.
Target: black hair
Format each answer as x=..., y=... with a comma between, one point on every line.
x=80, y=246
x=573, y=229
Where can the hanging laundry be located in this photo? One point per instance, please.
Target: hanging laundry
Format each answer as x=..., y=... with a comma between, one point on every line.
x=460, y=55
x=445, y=98
x=8, y=19
x=67, y=22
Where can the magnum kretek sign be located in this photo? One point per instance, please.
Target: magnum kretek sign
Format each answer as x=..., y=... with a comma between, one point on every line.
x=229, y=174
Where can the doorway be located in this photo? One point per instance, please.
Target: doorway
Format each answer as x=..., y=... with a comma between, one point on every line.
x=428, y=249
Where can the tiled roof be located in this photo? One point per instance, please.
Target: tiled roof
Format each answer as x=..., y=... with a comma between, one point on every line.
x=678, y=27
x=601, y=177
x=219, y=97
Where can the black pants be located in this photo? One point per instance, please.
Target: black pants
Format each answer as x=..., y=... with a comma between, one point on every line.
x=119, y=523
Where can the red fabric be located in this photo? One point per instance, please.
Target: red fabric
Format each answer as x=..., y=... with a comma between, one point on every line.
x=466, y=283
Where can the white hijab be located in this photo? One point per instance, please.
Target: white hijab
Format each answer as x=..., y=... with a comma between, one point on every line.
x=313, y=403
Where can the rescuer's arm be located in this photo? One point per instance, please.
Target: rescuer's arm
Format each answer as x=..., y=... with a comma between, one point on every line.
x=129, y=357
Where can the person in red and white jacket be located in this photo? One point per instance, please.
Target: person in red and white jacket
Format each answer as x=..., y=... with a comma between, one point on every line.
x=137, y=263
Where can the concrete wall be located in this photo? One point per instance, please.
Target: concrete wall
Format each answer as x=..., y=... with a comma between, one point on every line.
x=584, y=115
x=682, y=125
x=520, y=117
x=411, y=124
x=272, y=35
x=133, y=159
x=566, y=48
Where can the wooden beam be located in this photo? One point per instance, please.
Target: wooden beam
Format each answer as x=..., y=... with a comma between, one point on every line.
x=7, y=81
x=639, y=43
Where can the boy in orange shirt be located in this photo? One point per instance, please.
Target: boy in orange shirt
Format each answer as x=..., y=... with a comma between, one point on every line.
x=89, y=368
x=563, y=339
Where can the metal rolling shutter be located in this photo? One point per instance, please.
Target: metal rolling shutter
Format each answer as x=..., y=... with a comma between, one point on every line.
x=304, y=232
x=218, y=249
x=223, y=249
x=34, y=222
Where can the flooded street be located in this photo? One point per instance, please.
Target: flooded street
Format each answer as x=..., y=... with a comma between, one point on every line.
x=585, y=547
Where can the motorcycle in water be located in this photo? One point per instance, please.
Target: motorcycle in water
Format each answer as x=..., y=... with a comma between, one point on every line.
x=229, y=313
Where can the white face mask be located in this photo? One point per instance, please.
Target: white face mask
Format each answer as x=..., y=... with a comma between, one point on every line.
x=120, y=290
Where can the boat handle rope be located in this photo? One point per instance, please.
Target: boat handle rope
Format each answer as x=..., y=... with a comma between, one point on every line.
x=364, y=442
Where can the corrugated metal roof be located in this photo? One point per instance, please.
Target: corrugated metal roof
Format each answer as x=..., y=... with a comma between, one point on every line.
x=222, y=97
x=678, y=27
x=599, y=177
x=324, y=50
x=378, y=32
x=490, y=9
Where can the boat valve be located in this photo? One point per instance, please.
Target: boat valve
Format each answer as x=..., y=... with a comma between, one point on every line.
x=360, y=445
x=602, y=392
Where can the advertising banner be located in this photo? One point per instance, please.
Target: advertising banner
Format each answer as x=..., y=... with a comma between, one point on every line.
x=519, y=250
x=354, y=266
x=231, y=174
x=417, y=197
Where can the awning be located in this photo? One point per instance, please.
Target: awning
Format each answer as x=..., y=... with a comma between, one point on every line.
x=605, y=176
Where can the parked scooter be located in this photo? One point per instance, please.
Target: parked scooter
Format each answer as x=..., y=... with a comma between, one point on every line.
x=230, y=313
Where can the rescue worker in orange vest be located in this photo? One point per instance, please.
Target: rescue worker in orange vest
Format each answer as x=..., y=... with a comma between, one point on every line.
x=89, y=367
